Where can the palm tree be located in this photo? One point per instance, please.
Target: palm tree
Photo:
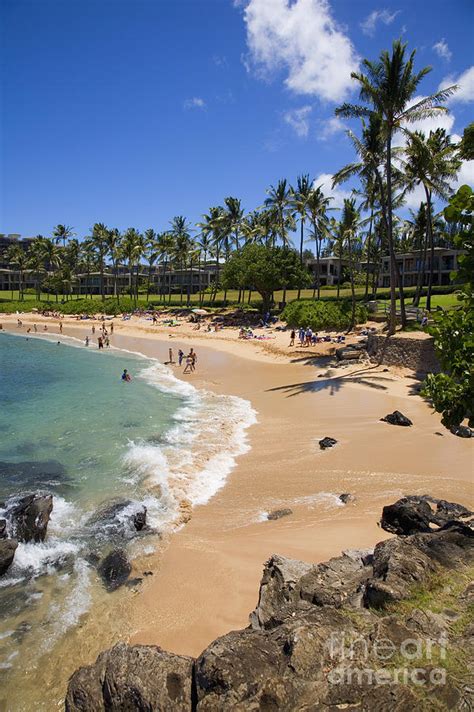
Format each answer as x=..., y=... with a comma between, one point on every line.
x=213, y=224
x=279, y=203
x=431, y=162
x=62, y=233
x=131, y=249
x=233, y=218
x=36, y=261
x=300, y=197
x=112, y=241
x=52, y=258
x=317, y=206
x=152, y=253
x=389, y=87
x=349, y=227
x=165, y=247
x=181, y=231
x=17, y=257
x=204, y=245
x=98, y=239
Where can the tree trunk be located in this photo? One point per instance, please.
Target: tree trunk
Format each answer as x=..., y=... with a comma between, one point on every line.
x=393, y=263
x=351, y=271
x=369, y=240
x=429, y=231
x=301, y=249
x=318, y=278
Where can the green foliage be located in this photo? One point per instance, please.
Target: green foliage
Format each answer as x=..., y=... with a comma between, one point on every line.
x=452, y=392
x=318, y=315
x=265, y=270
x=466, y=148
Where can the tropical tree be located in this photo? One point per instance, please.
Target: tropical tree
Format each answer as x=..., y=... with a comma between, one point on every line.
x=152, y=254
x=181, y=231
x=234, y=215
x=432, y=163
x=317, y=206
x=62, y=233
x=279, y=204
x=98, y=240
x=165, y=247
x=112, y=241
x=18, y=258
x=349, y=229
x=132, y=248
x=389, y=88
x=36, y=261
x=300, y=197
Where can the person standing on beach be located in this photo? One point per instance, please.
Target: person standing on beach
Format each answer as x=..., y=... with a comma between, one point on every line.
x=100, y=342
x=111, y=328
x=35, y=328
x=180, y=357
x=193, y=355
x=292, y=337
x=189, y=363
x=171, y=356
x=86, y=342
x=107, y=342
x=60, y=327
x=93, y=328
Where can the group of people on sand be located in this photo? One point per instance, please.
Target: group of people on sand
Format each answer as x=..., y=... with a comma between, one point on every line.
x=190, y=360
x=308, y=337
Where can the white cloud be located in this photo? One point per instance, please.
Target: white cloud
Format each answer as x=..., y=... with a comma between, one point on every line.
x=442, y=50
x=413, y=199
x=330, y=127
x=220, y=60
x=370, y=22
x=465, y=175
x=298, y=119
x=465, y=93
x=194, y=103
x=302, y=38
x=325, y=181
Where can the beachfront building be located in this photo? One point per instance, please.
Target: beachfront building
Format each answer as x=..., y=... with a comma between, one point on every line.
x=332, y=270
x=410, y=264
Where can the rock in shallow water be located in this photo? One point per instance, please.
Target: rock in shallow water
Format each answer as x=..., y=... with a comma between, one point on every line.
x=462, y=431
x=279, y=513
x=7, y=553
x=327, y=442
x=114, y=569
x=397, y=418
x=29, y=516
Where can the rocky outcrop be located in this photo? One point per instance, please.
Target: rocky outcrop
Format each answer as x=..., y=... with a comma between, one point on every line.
x=7, y=553
x=462, y=431
x=298, y=652
x=29, y=516
x=416, y=352
x=415, y=514
x=397, y=418
x=139, y=519
x=138, y=677
x=114, y=569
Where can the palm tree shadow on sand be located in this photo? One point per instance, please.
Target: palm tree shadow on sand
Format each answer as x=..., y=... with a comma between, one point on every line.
x=364, y=376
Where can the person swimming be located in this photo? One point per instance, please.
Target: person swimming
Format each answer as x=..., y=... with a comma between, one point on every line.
x=126, y=376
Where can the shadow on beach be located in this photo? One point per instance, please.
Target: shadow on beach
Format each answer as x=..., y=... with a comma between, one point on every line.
x=335, y=383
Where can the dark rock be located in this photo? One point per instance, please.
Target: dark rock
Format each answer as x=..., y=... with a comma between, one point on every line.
x=29, y=516
x=7, y=553
x=114, y=569
x=139, y=678
x=148, y=573
x=348, y=353
x=279, y=513
x=131, y=583
x=327, y=442
x=397, y=418
x=21, y=631
x=462, y=431
x=139, y=519
x=346, y=497
x=407, y=517
x=3, y=528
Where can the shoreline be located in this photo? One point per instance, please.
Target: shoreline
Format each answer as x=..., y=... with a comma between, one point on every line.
x=205, y=581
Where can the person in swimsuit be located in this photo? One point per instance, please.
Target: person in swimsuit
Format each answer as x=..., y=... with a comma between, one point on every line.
x=126, y=376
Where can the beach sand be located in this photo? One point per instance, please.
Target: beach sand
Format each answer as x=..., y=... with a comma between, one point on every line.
x=205, y=579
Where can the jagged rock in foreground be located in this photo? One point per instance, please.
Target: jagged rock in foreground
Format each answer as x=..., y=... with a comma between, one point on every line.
x=298, y=654
x=138, y=677
x=413, y=514
x=114, y=569
x=397, y=418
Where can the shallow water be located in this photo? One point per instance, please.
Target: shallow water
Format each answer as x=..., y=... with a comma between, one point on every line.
x=71, y=427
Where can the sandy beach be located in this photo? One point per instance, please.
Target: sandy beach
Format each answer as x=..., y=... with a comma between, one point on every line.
x=205, y=578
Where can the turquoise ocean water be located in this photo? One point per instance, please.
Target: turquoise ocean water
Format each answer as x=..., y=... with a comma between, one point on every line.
x=70, y=426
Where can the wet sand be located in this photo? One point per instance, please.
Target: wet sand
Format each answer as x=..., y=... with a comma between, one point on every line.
x=206, y=578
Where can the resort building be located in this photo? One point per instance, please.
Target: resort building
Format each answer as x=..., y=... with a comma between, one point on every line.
x=410, y=264
x=331, y=270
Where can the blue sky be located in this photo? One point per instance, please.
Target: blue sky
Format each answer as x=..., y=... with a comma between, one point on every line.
x=131, y=111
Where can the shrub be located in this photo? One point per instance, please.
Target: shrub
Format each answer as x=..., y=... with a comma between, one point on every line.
x=318, y=315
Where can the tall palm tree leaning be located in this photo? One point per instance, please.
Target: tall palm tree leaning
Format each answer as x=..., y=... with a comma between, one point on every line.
x=431, y=162
x=349, y=226
x=389, y=88
x=61, y=233
x=299, y=199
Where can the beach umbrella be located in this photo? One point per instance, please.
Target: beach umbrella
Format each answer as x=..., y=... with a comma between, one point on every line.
x=201, y=312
